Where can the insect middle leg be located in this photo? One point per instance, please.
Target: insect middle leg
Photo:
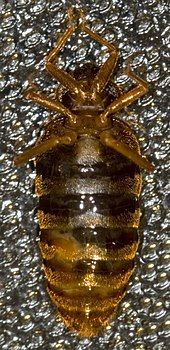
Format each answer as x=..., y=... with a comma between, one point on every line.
x=56, y=106
x=124, y=100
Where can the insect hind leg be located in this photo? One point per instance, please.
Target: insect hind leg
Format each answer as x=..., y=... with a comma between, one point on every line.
x=68, y=139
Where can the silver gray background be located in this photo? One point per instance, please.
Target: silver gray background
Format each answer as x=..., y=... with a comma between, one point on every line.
x=29, y=30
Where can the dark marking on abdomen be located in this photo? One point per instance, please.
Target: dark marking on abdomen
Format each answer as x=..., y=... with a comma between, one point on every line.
x=86, y=259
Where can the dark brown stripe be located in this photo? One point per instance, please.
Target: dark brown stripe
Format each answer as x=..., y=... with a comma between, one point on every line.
x=87, y=266
x=73, y=280
x=55, y=168
x=71, y=205
x=63, y=298
x=111, y=239
x=81, y=186
x=117, y=237
x=82, y=304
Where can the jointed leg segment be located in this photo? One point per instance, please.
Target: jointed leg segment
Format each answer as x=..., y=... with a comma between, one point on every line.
x=68, y=139
x=108, y=67
x=105, y=72
x=76, y=89
x=125, y=99
x=97, y=37
x=61, y=42
x=65, y=78
x=108, y=140
x=56, y=106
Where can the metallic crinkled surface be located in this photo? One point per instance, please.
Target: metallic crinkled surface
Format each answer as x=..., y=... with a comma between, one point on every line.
x=29, y=30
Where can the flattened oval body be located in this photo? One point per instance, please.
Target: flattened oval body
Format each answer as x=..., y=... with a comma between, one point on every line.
x=88, y=216
x=88, y=183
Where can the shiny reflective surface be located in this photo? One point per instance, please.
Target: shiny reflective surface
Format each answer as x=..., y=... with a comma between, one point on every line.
x=89, y=225
x=29, y=322
x=73, y=196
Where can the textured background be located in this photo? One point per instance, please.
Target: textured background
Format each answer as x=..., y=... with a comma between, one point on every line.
x=28, y=31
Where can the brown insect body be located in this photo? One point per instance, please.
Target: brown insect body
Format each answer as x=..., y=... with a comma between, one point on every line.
x=88, y=182
x=88, y=217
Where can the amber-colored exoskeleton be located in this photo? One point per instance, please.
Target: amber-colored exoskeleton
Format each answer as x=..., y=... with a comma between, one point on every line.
x=88, y=182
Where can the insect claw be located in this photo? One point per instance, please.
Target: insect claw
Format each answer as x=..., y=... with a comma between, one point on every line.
x=76, y=17
x=26, y=93
x=70, y=16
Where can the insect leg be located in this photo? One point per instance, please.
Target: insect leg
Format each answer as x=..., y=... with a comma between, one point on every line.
x=56, y=106
x=61, y=42
x=68, y=139
x=125, y=99
x=65, y=78
x=64, y=37
x=97, y=37
x=108, y=140
x=108, y=67
x=105, y=72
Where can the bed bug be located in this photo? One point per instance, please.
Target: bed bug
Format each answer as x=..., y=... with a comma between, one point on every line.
x=88, y=182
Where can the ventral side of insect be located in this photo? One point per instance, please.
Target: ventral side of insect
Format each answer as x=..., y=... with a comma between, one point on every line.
x=88, y=180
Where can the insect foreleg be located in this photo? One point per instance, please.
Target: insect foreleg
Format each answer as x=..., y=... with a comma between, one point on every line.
x=66, y=80
x=105, y=72
x=98, y=38
x=61, y=42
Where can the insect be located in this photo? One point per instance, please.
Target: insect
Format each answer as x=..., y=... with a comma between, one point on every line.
x=88, y=182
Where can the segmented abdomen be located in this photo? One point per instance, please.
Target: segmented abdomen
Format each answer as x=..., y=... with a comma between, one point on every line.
x=88, y=216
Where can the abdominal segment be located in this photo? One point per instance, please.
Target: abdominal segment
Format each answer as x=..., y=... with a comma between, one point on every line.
x=89, y=236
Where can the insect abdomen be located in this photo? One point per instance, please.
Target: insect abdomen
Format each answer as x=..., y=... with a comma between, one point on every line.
x=88, y=217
